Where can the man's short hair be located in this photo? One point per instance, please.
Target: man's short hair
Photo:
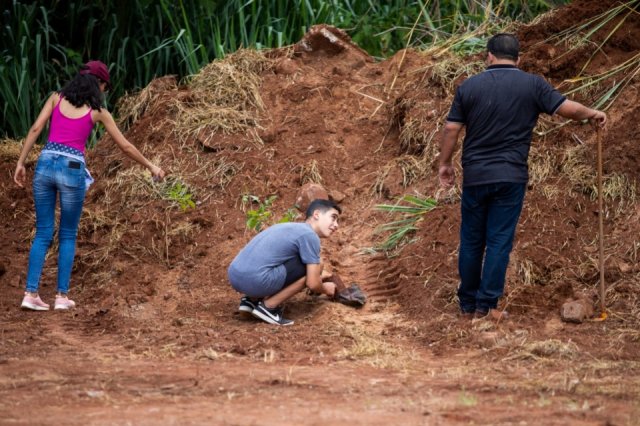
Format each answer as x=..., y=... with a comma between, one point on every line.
x=504, y=46
x=322, y=205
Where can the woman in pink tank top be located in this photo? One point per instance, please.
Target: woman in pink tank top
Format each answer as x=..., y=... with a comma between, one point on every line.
x=61, y=169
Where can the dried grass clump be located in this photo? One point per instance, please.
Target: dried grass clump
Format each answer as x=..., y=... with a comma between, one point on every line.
x=450, y=68
x=373, y=350
x=129, y=184
x=551, y=348
x=528, y=272
x=10, y=149
x=580, y=169
x=225, y=95
x=411, y=169
x=131, y=107
x=418, y=124
x=310, y=173
x=541, y=165
x=222, y=172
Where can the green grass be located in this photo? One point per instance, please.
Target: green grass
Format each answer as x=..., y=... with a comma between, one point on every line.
x=42, y=47
x=398, y=232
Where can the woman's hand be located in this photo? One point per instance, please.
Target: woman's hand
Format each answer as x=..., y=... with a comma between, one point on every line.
x=157, y=173
x=20, y=175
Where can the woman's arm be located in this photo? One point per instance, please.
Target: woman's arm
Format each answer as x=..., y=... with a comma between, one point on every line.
x=20, y=175
x=127, y=147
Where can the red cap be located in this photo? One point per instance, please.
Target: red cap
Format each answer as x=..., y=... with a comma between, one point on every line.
x=98, y=69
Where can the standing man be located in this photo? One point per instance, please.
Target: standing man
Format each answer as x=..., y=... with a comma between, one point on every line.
x=281, y=260
x=499, y=108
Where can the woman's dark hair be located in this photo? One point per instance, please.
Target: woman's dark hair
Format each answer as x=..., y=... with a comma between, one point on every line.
x=83, y=89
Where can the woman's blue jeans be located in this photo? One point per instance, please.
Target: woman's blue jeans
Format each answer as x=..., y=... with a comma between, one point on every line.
x=56, y=174
x=490, y=214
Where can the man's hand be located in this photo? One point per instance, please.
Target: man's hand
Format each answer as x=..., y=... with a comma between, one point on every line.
x=447, y=176
x=446, y=173
x=577, y=111
x=598, y=119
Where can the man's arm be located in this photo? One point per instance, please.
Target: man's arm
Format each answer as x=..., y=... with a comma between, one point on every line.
x=450, y=134
x=577, y=111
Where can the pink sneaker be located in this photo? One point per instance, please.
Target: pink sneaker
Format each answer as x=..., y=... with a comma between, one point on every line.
x=63, y=302
x=33, y=303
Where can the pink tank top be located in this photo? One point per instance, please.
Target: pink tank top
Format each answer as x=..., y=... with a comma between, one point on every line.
x=72, y=132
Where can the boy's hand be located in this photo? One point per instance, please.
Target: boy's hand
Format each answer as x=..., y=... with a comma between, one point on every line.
x=329, y=288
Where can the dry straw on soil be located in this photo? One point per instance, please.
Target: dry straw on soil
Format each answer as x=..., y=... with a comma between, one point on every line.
x=450, y=69
x=133, y=106
x=374, y=350
x=225, y=97
x=418, y=123
x=579, y=166
x=409, y=167
x=310, y=173
x=546, y=349
x=10, y=149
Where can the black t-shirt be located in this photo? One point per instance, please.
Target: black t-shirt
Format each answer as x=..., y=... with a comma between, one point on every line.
x=499, y=108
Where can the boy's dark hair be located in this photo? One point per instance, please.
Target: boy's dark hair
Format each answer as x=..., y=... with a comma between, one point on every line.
x=322, y=205
x=83, y=89
x=504, y=46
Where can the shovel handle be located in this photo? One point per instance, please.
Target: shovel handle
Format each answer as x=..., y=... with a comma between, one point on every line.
x=600, y=223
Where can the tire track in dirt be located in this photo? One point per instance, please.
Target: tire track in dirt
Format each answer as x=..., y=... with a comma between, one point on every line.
x=378, y=277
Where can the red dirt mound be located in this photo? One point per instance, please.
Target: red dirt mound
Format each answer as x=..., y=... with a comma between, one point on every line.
x=152, y=258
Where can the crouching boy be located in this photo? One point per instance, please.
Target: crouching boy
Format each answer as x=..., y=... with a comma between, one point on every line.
x=281, y=261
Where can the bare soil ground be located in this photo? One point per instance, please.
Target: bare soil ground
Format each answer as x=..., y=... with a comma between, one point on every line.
x=156, y=338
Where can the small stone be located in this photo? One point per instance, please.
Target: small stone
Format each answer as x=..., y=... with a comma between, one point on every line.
x=308, y=193
x=576, y=311
x=337, y=196
x=488, y=339
x=286, y=67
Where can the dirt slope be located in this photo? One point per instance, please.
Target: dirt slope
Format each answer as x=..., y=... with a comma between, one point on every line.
x=156, y=338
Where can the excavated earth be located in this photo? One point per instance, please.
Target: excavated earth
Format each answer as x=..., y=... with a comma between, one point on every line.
x=156, y=338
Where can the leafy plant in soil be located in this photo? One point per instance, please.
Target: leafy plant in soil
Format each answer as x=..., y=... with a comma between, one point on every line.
x=401, y=229
x=179, y=194
x=257, y=217
x=261, y=215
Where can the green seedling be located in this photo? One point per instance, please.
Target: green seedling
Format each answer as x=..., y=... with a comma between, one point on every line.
x=257, y=217
x=178, y=193
x=289, y=216
x=262, y=214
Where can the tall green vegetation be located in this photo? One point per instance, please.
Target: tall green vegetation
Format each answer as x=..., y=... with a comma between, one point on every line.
x=42, y=46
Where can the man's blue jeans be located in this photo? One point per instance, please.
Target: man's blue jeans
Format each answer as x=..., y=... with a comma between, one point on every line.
x=490, y=214
x=56, y=174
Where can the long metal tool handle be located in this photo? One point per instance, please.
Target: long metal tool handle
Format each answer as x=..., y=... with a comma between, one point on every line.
x=601, y=225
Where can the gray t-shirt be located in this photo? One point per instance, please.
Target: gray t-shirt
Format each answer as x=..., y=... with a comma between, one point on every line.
x=258, y=270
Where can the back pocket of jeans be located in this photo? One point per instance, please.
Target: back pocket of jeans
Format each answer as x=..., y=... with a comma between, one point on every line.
x=73, y=173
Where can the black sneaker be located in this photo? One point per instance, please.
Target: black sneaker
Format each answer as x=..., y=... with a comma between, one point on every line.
x=272, y=316
x=246, y=305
